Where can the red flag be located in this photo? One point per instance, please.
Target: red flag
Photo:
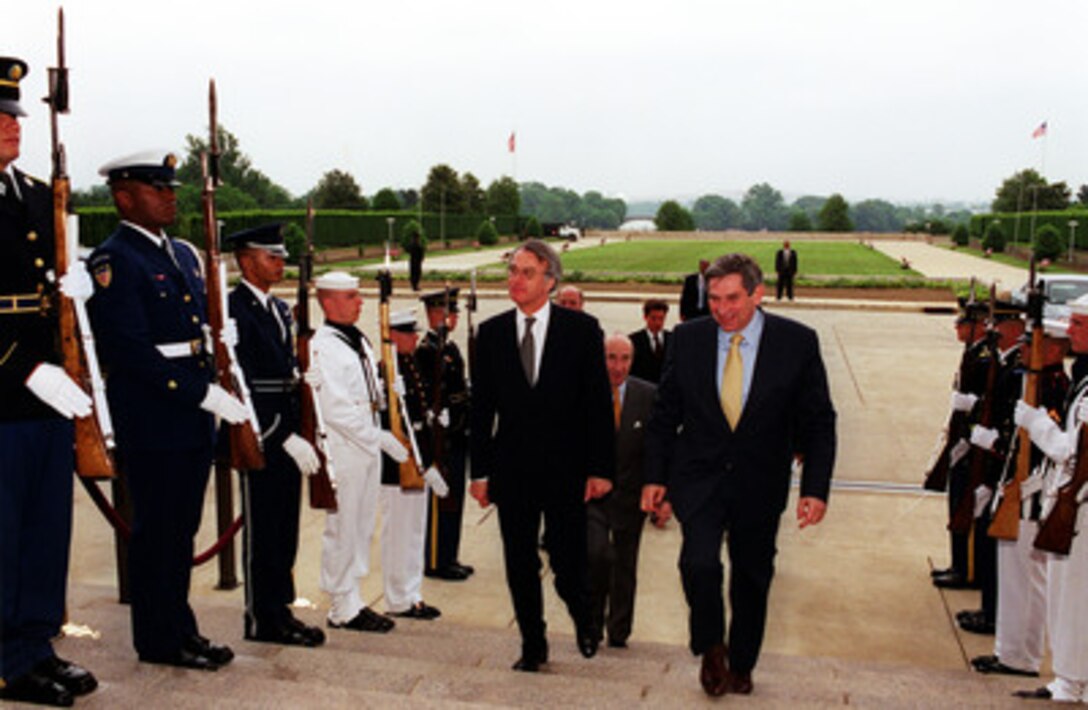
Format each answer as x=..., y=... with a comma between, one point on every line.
x=1040, y=131
x=510, y=142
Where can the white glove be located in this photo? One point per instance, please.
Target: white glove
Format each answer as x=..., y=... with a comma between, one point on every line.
x=220, y=403
x=983, y=437
x=962, y=402
x=1025, y=415
x=76, y=282
x=303, y=453
x=437, y=483
x=313, y=377
x=983, y=496
x=1082, y=411
x=52, y=385
x=229, y=334
x=444, y=417
x=392, y=447
x=398, y=386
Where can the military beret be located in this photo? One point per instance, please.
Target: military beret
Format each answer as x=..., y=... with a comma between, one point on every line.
x=437, y=299
x=403, y=321
x=337, y=281
x=268, y=237
x=155, y=167
x=12, y=72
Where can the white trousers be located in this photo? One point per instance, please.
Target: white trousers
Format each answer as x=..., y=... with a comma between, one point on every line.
x=1067, y=615
x=1021, y=600
x=404, y=528
x=345, y=544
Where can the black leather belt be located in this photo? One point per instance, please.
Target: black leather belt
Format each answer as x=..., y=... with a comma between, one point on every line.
x=275, y=386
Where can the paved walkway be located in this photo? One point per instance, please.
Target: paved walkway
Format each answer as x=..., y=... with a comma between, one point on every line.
x=937, y=263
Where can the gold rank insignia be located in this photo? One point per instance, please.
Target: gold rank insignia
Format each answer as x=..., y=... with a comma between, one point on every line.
x=103, y=274
x=15, y=73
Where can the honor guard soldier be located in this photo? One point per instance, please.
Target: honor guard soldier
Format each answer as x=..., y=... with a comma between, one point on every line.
x=404, y=512
x=444, y=517
x=150, y=318
x=272, y=495
x=344, y=376
x=36, y=433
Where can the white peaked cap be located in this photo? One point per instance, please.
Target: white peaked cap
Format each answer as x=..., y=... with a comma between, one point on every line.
x=337, y=281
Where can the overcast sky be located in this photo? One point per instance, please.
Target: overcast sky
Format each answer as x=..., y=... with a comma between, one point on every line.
x=906, y=101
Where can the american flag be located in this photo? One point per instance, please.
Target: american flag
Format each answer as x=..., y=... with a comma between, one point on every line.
x=511, y=142
x=1040, y=131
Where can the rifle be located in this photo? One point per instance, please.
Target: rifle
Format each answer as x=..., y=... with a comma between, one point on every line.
x=410, y=476
x=93, y=433
x=438, y=436
x=1005, y=524
x=964, y=516
x=958, y=427
x=470, y=307
x=1057, y=531
x=322, y=488
x=245, y=440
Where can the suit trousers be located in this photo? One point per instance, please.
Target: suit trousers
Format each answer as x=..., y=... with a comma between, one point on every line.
x=613, y=565
x=784, y=282
x=36, y=465
x=565, y=542
x=1020, y=641
x=167, y=490
x=751, y=546
x=270, y=507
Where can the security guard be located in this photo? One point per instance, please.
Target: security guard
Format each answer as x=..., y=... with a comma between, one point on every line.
x=444, y=516
x=36, y=436
x=271, y=496
x=149, y=315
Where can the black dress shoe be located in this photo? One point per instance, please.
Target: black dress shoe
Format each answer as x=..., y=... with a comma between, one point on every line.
x=991, y=664
x=978, y=625
x=617, y=643
x=714, y=674
x=1037, y=694
x=532, y=658
x=965, y=614
x=451, y=573
x=38, y=688
x=316, y=635
x=740, y=683
x=366, y=620
x=420, y=610
x=588, y=641
x=76, y=679
x=469, y=570
x=218, y=654
x=184, y=658
x=953, y=580
x=285, y=634
x=942, y=572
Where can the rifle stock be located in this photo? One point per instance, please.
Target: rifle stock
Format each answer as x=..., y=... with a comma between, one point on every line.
x=322, y=490
x=410, y=477
x=1057, y=531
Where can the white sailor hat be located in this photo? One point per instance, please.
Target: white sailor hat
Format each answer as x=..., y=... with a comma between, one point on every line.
x=337, y=281
x=1056, y=327
x=155, y=167
x=404, y=321
x=1079, y=306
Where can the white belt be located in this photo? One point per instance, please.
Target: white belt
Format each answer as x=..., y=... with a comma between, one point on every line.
x=187, y=348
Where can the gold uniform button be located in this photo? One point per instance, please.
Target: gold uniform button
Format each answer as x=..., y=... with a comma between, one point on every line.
x=171, y=385
x=187, y=298
x=32, y=236
x=39, y=262
x=196, y=319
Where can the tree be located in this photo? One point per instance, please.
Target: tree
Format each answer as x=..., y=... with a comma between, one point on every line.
x=671, y=217
x=94, y=196
x=228, y=198
x=502, y=197
x=960, y=237
x=410, y=229
x=764, y=208
x=799, y=221
x=994, y=239
x=443, y=191
x=1082, y=195
x=337, y=189
x=835, y=215
x=533, y=229
x=601, y=212
x=486, y=234
x=550, y=204
x=875, y=216
x=715, y=212
x=409, y=199
x=386, y=200
x=810, y=205
x=473, y=194
x=1049, y=243
x=1027, y=191
x=235, y=169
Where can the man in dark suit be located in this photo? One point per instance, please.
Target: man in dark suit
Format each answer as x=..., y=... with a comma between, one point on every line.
x=270, y=496
x=650, y=343
x=616, y=522
x=149, y=311
x=744, y=393
x=785, y=268
x=541, y=442
x=693, y=297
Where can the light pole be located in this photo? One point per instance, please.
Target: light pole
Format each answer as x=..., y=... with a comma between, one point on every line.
x=389, y=240
x=1072, y=237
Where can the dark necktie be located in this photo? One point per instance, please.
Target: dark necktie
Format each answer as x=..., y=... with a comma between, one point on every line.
x=7, y=189
x=169, y=249
x=528, y=352
x=274, y=312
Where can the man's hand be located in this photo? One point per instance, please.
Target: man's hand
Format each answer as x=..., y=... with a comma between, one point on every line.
x=661, y=516
x=810, y=511
x=52, y=385
x=478, y=490
x=392, y=446
x=76, y=282
x=653, y=496
x=597, y=487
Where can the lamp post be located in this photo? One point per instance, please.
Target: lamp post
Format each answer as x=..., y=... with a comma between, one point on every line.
x=1072, y=237
x=389, y=240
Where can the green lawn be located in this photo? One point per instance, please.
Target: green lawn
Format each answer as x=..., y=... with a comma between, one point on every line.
x=682, y=257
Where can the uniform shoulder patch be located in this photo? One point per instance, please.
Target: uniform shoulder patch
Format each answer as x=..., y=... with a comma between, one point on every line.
x=102, y=270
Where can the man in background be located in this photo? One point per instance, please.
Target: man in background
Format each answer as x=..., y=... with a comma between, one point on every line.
x=693, y=296
x=785, y=267
x=652, y=342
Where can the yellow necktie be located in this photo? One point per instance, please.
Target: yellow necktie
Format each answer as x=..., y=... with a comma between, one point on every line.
x=733, y=382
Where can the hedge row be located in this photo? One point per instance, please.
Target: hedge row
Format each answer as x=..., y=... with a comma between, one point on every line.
x=332, y=228
x=1008, y=225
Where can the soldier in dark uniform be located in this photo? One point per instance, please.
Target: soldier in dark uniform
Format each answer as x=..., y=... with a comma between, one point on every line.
x=36, y=435
x=271, y=496
x=149, y=315
x=415, y=260
x=444, y=516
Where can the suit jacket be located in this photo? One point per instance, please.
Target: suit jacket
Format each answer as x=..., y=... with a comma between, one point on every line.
x=785, y=265
x=622, y=504
x=646, y=365
x=690, y=447
x=689, y=298
x=541, y=442
x=143, y=299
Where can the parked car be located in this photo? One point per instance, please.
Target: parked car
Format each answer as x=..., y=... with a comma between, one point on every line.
x=1058, y=290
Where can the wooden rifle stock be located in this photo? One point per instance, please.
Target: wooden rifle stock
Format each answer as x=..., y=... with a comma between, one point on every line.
x=410, y=477
x=245, y=443
x=322, y=492
x=1057, y=531
x=92, y=457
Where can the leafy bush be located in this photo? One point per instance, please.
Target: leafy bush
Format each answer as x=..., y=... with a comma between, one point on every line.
x=1049, y=243
x=533, y=229
x=799, y=222
x=486, y=234
x=294, y=238
x=960, y=237
x=410, y=229
x=994, y=239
